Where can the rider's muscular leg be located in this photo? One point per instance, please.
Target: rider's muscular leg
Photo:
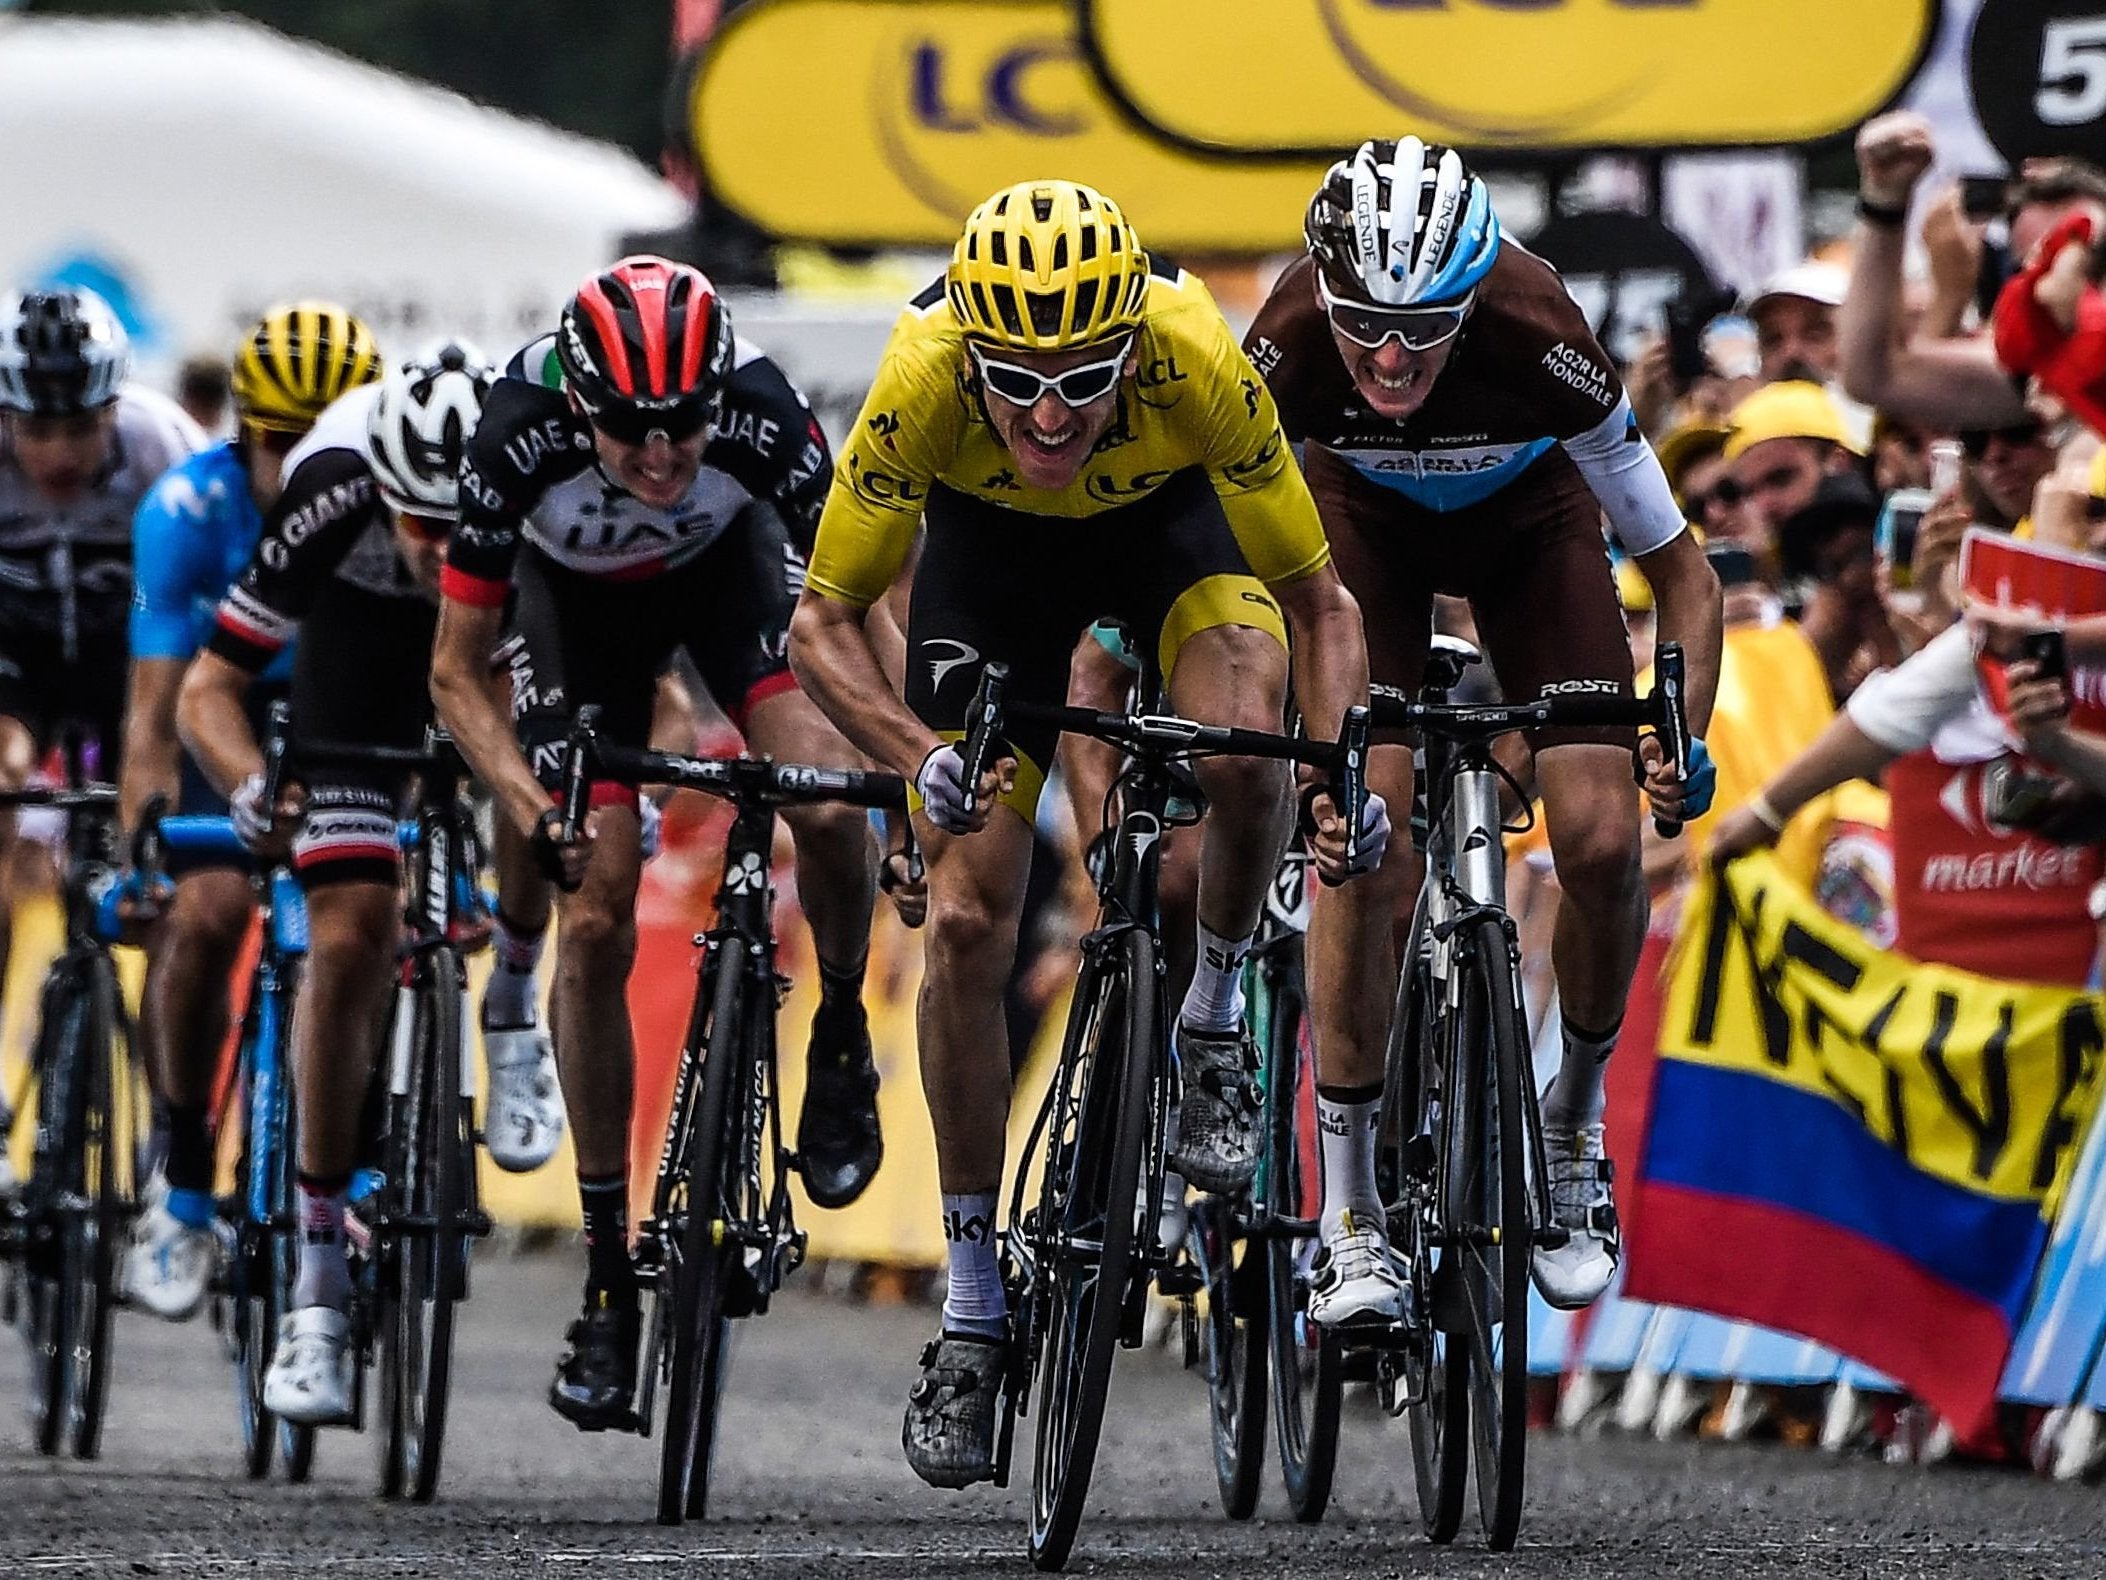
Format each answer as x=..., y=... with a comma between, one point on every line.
x=193, y=961
x=337, y=1027
x=1233, y=675
x=1352, y=944
x=976, y=884
x=836, y=852
x=976, y=890
x=595, y=949
x=1593, y=817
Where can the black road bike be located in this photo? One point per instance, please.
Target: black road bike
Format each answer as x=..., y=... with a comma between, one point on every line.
x=721, y=1235
x=424, y=1212
x=66, y=1229
x=1461, y=1140
x=1079, y=1259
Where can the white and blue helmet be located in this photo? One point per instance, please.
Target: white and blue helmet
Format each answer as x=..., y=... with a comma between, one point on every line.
x=1402, y=224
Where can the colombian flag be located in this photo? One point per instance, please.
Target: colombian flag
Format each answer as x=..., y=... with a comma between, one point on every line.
x=1852, y=1146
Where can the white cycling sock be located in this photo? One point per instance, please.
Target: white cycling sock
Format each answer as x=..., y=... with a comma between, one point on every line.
x=513, y=996
x=1346, y=1119
x=1579, y=1094
x=975, y=1302
x=1214, y=1001
x=324, y=1277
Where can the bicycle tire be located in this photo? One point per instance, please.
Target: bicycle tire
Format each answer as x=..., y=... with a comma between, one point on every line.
x=1308, y=1378
x=1437, y=1370
x=108, y=1162
x=48, y=1293
x=694, y=1387
x=1113, y=1060
x=250, y=1281
x=296, y=1440
x=432, y=1267
x=1496, y=1275
x=1233, y=1338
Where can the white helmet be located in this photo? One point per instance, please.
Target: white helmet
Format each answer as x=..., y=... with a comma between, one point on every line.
x=1402, y=224
x=420, y=426
x=61, y=352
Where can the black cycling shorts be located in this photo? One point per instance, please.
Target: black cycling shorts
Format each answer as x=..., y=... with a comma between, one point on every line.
x=1532, y=561
x=46, y=689
x=1000, y=584
x=362, y=677
x=579, y=639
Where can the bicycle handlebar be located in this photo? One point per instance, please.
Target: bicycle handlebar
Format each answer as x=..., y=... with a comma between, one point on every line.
x=1168, y=735
x=1663, y=710
x=735, y=779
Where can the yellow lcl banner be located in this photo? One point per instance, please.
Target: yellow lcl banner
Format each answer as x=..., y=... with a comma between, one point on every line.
x=1987, y=1086
x=1267, y=76
x=887, y=121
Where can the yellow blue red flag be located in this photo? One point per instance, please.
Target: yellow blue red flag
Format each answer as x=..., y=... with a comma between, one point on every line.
x=1851, y=1145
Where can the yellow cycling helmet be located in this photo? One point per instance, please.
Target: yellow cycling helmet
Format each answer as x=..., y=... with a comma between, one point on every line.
x=1046, y=266
x=297, y=360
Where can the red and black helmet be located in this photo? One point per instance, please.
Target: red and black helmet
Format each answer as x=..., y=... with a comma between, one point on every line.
x=646, y=345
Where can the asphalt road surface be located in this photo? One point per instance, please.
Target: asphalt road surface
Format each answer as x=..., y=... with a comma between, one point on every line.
x=810, y=1482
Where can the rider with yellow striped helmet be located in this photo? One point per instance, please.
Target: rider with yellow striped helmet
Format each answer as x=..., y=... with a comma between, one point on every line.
x=296, y=361
x=1047, y=266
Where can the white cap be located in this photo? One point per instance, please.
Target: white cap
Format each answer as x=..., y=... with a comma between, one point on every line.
x=1810, y=281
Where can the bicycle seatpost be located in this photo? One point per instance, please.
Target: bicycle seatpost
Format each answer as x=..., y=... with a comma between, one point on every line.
x=983, y=730
x=1669, y=675
x=577, y=769
x=277, y=742
x=1349, y=779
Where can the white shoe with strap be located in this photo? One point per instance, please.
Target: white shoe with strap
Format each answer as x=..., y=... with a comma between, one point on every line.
x=1582, y=1203
x=308, y=1382
x=523, y=1106
x=1354, y=1279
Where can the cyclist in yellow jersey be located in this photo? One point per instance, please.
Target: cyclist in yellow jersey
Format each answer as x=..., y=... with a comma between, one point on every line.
x=1081, y=437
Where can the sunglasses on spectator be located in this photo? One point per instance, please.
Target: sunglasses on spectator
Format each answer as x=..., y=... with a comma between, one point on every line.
x=1725, y=493
x=1078, y=386
x=1414, y=328
x=1975, y=441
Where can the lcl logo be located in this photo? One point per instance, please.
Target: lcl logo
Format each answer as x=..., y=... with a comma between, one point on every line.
x=947, y=97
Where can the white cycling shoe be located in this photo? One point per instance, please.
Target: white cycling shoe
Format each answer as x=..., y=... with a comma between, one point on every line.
x=1581, y=1203
x=523, y=1106
x=309, y=1381
x=167, y=1264
x=1354, y=1279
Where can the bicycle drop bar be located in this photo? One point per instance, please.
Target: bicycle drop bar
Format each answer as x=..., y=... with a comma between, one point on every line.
x=281, y=753
x=1168, y=735
x=739, y=779
x=1662, y=710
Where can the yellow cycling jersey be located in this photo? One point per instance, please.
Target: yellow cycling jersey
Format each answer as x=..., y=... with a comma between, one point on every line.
x=1196, y=402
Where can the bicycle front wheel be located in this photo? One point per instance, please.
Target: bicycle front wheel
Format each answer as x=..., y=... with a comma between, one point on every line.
x=1234, y=1346
x=1495, y=1251
x=1307, y=1365
x=699, y=1279
x=429, y=1157
x=1088, y=1207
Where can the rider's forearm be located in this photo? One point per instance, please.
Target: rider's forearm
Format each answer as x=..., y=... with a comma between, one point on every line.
x=153, y=754
x=1691, y=612
x=1329, y=650
x=832, y=657
x=214, y=725
x=467, y=706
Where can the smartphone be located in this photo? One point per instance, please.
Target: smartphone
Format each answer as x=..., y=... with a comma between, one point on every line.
x=1894, y=539
x=1944, y=465
x=1983, y=197
x=1733, y=565
x=2048, y=651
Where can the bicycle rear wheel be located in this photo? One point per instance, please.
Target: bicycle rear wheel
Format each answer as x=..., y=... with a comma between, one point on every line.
x=1234, y=1344
x=428, y=1181
x=1496, y=1255
x=1437, y=1368
x=114, y=1098
x=1087, y=1210
x=699, y=1328
x=55, y=1181
x=1307, y=1365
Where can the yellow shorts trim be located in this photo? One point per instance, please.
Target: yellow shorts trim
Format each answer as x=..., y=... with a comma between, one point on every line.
x=1215, y=601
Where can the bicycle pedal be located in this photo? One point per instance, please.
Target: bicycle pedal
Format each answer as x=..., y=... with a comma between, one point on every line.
x=1552, y=1237
x=1180, y=1280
